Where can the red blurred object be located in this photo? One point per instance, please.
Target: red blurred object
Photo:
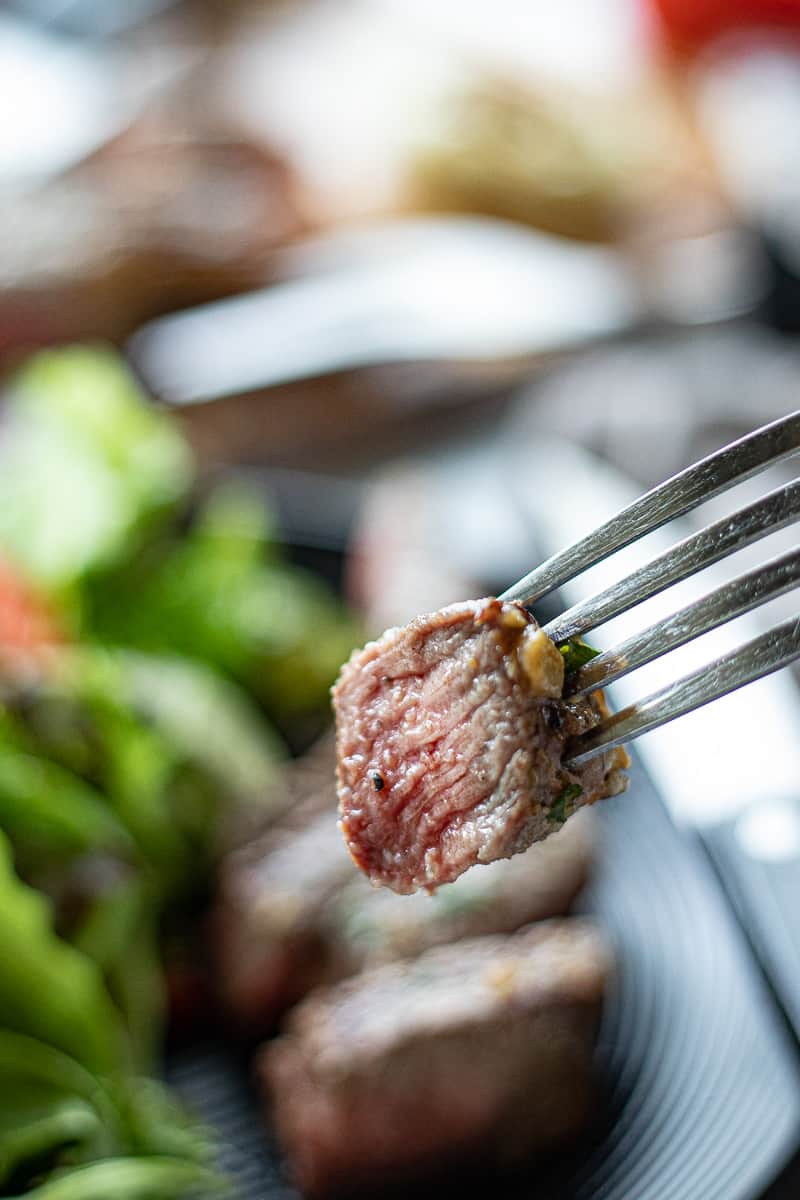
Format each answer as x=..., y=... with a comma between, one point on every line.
x=689, y=24
x=26, y=626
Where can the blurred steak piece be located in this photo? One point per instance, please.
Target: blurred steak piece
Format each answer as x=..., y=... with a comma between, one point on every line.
x=369, y=926
x=450, y=734
x=266, y=928
x=311, y=783
x=478, y=1053
x=270, y=947
x=292, y=913
x=162, y=217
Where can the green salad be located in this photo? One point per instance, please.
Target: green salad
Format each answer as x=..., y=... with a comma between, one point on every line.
x=155, y=649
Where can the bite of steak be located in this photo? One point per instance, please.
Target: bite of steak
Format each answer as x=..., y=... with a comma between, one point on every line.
x=450, y=735
x=478, y=1053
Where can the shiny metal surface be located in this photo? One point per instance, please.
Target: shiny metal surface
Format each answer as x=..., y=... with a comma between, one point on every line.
x=757, y=658
x=673, y=498
x=775, y=511
x=680, y=494
x=723, y=604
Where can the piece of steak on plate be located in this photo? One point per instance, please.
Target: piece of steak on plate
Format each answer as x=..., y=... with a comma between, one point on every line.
x=367, y=926
x=477, y=1053
x=292, y=913
x=269, y=942
x=450, y=735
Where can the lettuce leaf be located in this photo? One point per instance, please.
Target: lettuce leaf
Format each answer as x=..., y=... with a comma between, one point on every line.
x=48, y=989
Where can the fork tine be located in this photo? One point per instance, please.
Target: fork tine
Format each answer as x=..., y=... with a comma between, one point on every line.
x=756, y=658
x=725, y=603
x=767, y=515
x=678, y=495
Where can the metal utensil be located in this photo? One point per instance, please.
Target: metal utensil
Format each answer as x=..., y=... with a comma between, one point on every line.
x=417, y=290
x=764, y=654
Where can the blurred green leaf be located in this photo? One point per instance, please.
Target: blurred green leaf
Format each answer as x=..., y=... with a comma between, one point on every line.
x=85, y=461
x=120, y=934
x=156, y=1124
x=130, y=1179
x=48, y=989
x=62, y=510
x=272, y=626
x=236, y=520
x=48, y=1102
x=208, y=719
x=47, y=810
x=42, y=1123
x=88, y=394
x=23, y=1055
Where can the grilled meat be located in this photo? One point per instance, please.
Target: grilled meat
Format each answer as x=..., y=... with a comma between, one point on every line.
x=478, y=1053
x=450, y=734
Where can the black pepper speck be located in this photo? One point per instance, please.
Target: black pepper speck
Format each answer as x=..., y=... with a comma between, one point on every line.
x=552, y=716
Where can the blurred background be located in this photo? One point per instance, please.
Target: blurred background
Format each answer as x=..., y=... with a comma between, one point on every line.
x=291, y=296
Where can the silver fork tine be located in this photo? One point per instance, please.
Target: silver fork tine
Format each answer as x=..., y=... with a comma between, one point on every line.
x=723, y=604
x=756, y=658
x=774, y=511
x=671, y=499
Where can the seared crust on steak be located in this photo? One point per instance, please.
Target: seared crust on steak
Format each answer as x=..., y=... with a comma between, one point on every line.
x=450, y=735
x=475, y=1053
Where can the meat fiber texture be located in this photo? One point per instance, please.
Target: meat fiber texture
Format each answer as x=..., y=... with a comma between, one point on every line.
x=450, y=736
x=478, y=1053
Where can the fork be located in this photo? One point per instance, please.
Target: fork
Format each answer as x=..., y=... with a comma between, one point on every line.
x=675, y=497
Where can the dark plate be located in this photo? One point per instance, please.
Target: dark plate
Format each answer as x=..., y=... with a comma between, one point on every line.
x=701, y=1079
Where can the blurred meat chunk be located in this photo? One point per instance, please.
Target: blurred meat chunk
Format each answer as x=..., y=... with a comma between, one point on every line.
x=369, y=926
x=478, y=1053
x=292, y=913
x=266, y=928
x=268, y=935
x=162, y=217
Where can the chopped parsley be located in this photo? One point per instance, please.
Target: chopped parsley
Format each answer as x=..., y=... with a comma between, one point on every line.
x=576, y=653
x=562, y=807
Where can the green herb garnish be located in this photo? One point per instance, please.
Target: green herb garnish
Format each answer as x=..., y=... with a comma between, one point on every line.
x=576, y=653
x=562, y=807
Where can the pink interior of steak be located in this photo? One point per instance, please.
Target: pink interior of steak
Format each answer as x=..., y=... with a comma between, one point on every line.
x=447, y=756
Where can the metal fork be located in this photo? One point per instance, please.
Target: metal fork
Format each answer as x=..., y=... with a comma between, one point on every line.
x=675, y=497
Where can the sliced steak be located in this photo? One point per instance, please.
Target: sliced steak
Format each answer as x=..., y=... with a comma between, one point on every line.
x=292, y=912
x=267, y=943
x=475, y=1053
x=450, y=734
x=367, y=926
x=270, y=947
